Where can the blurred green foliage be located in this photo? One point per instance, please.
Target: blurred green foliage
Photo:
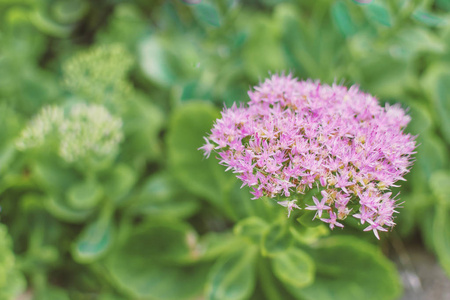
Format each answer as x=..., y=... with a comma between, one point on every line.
x=103, y=106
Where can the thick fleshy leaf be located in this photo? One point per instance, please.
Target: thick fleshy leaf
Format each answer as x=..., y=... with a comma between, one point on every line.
x=139, y=277
x=204, y=177
x=207, y=12
x=161, y=196
x=95, y=239
x=60, y=209
x=233, y=276
x=213, y=244
x=251, y=228
x=168, y=242
x=294, y=267
x=436, y=83
x=277, y=238
x=85, y=195
x=348, y=268
x=119, y=182
x=427, y=18
x=378, y=13
x=343, y=19
x=441, y=233
x=53, y=176
x=157, y=61
x=440, y=185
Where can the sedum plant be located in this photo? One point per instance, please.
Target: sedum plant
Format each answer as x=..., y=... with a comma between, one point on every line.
x=103, y=107
x=295, y=136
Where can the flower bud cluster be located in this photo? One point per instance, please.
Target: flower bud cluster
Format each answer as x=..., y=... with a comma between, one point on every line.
x=298, y=135
x=83, y=131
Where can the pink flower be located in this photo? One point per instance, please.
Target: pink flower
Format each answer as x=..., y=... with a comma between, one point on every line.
x=332, y=221
x=294, y=136
x=319, y=206
x=290, y=205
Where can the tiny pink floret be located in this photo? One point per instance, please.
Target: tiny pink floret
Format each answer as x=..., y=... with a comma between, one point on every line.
x=293, y=136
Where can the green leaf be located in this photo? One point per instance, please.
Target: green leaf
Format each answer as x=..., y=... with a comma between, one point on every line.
x=48, y=26
x=140, y=277
x=343, y=19
x=436, y=83
x=207, y=12
x=431, y=156
x=214, y=244
x=119, y=182
x=203, y=177
x=143, y=122
x=59, y=208
x=161, y=197
x=95, y=239
x=158, y=62
x=427, y=18
x=294, y=267
x=168, y=242
x=85, y=195
x=307, y=219
x=53, y=176
x=348, y=268
x=233, y=276
x=251, y=228
x=378, y=13
x=277, y=238
x=441, y=233
x=440, y=185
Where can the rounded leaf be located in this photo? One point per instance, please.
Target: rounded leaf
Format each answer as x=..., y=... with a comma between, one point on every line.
x=233, y=276
x=294, y=267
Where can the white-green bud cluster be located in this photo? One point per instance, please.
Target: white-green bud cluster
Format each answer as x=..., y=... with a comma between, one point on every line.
x=85, y=131
x=98, y=75
x=89, y=131
x=48, y=120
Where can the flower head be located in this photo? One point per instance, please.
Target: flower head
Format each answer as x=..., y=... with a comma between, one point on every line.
x=299, y=135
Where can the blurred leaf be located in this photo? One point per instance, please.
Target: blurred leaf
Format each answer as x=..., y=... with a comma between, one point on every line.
x=441, y=232
x=251, y=228
x=141, y=278
x=53, y=176
x=261, y=52
x=307, y=219
x=12, y=282
x=294, y=268
x=95, y=239
x=431, y=156
x=440, y=185
x=119, y=182
x=276, y=238
x=207, y=12
x=378, y=13
x=233, y=276
x=158, y=61
x=161, y=197
x=427, y=18
x=48, y=26
x=173, y=243
x=204, y=177
x=343, y=19
x=214, y=244
x=348, y=268
x=85, y=195
x=70, y=11
x=143, y=122
x=436, y=82
x=58, y=207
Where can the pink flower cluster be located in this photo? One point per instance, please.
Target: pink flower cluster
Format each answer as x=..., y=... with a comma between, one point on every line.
x=298, y=135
